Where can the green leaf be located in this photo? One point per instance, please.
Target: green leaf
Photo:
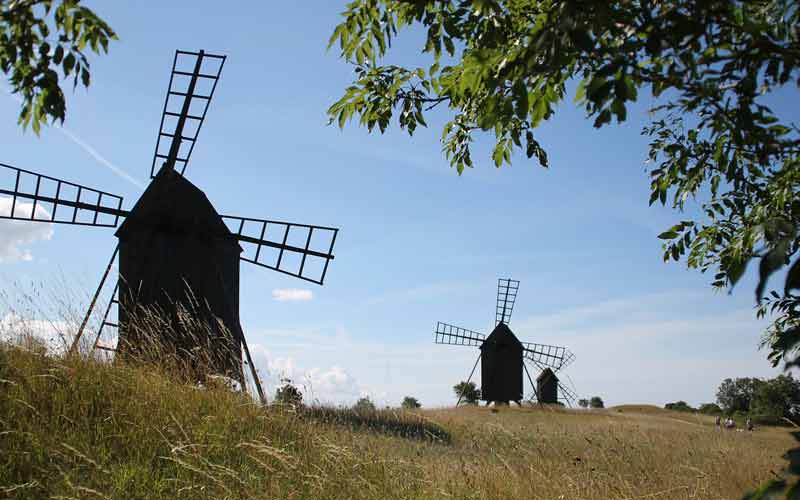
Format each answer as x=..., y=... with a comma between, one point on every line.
x=580, y=93
x=497, y=154
x=618, y=107
x=792, y=278
x=58, y=56
x=668, y=235
x=69, y=63
x=448, y=44
x=736, y=270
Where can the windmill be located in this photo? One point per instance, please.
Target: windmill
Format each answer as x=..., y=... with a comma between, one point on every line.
x=503, y=356
x=173, y=246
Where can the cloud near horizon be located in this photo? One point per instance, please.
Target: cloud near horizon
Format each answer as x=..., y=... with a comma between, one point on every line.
x=291, y=295
x=331, y=385
x=17, y=234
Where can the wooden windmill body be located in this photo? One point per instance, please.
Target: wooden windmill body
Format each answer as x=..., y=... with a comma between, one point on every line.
x=502, y=355
x=547, y=386
x=501, y=366
x=174, y=248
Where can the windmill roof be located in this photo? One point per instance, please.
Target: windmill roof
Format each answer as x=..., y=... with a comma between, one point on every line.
x=172, y=203
x=547, y=373
x=502, y=335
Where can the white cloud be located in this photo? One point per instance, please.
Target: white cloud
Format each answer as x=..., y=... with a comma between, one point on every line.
x=291, y=295
x=331, y=385
x=15, y=235
x=16, y=330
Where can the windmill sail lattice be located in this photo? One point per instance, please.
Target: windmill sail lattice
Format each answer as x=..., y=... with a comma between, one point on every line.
x=506, y=296
x=300, y=250
x=192, y=84
x=551, y=356
x=41, y=198
x=454, y=335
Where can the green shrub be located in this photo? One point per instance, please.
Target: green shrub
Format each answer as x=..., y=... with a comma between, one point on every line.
x=710, y=409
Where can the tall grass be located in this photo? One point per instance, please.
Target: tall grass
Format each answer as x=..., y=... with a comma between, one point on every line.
x=75, y=427
x=80, y=429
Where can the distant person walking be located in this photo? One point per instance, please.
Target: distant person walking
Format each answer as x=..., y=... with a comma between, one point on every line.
x=730, y=424
x=718, y=422
x=749, y=424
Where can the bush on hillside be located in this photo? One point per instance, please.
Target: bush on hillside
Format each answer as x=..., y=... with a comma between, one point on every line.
x=364, y=405
x=468, y=393
x=710, y=409
x=410, y=403
x=679, y=406
x=288, y=394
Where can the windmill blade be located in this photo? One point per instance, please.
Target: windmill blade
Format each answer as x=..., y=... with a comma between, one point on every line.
x=29, y=196
x=454, y=335
x=192, y=84
x=299, y=250
x=567, y=394
x=551, y=356
x=506, y=296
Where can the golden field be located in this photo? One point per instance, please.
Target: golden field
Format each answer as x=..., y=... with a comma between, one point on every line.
x=81, y=429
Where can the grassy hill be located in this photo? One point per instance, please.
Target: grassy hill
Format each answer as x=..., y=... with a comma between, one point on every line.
x=79, y=429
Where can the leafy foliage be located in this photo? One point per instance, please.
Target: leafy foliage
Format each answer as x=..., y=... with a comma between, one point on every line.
x=288, y=394
x=364, y=405
x=710, y=409
x=410, y=403
x=467, y=392
x=679, y=406
x=737, y=394
x=768, y=400
x=596, y=402
x=778, y=397
x=42, y=44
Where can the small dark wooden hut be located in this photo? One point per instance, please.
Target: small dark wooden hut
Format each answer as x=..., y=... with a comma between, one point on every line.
x=547, y=387
x=175, y=249
x=501, y=366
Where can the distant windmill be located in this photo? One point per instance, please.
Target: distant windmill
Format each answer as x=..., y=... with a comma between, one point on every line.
x=502, y=356
x=174, y=248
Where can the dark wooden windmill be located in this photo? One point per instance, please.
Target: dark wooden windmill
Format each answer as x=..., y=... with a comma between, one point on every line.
x=174, y=248
x=547, y=386
x=502, y=356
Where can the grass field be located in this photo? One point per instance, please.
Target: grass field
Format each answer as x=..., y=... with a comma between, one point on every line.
x=79, y=429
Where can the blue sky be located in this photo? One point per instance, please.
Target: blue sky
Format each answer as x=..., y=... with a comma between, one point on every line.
x=418, y=243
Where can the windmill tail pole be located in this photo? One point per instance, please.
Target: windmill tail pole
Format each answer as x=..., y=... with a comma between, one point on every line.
x=256, y=381
x=85, y=321
x=461, y=395
x=533, y=386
